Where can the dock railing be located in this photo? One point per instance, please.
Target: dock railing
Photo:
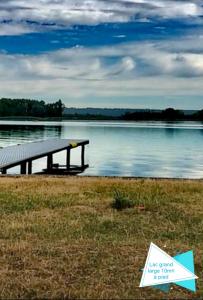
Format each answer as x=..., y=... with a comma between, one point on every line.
x=24, y=155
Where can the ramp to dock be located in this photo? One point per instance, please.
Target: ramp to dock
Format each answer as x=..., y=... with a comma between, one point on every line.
x=24, y=154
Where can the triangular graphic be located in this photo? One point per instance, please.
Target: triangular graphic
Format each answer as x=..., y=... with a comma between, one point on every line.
x=161, y=268
x=187, y=259
x=163, y=287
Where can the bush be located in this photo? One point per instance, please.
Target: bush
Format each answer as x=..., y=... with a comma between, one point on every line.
x=121, y=201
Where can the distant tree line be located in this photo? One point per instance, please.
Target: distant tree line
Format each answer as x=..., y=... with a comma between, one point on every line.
x=31, y=108
x=77, y=116
x=35, y=108
x=169, y=114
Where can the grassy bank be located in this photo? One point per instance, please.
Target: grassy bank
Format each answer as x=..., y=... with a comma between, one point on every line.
x=61, y=237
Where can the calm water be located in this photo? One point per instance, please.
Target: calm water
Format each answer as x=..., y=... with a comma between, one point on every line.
x=120, y=148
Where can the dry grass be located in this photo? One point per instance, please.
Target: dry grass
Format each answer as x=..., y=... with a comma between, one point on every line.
x=60, y=237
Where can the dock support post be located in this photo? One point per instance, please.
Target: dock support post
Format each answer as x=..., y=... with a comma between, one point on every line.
x=4, y=171
x=30, y=167
x=23, y=168
x=68, y=159
x=83, y=156
x=49, y=161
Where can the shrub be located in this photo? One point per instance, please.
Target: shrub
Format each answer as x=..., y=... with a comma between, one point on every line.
x=121, y=201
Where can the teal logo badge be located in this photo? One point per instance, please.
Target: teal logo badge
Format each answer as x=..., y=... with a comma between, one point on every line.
x=161, y=270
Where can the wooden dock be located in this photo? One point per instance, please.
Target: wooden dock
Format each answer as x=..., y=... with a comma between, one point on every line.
x=23, y=156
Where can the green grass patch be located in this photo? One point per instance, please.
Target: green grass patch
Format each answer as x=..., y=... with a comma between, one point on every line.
x=122, y=201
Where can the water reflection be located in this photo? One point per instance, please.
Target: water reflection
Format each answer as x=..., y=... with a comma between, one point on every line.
x=121, y=149
x=11, y=134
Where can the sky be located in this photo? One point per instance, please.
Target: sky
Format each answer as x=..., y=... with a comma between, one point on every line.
x=103, y=53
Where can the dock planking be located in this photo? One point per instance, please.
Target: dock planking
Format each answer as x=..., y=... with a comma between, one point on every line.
x=24, y=155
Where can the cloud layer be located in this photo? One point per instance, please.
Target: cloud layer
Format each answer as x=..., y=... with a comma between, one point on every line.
x=164, y=68
x=99, y=49
x=22, y=16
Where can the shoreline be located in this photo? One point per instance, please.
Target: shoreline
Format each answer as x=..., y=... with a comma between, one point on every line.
x=63, y=119
x=100, y=177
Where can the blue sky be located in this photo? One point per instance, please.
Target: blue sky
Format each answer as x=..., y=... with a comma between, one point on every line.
x=103, y=53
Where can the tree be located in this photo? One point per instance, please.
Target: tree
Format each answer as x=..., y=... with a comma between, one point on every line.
x=27, y=107
x=172, y=114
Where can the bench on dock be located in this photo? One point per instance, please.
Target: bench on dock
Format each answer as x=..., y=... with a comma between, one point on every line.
x=23, y=156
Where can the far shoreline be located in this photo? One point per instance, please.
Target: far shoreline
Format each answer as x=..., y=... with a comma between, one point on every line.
x=64, y=119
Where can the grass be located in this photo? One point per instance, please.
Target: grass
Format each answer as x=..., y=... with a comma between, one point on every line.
x=66, y=237
x=121, y=201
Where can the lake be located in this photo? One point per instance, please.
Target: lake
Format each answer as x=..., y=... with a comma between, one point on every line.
x=144, y=149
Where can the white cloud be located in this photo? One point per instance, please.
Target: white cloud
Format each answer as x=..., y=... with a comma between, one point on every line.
x=15, y=29
x=122, y=70
x=57, y=14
